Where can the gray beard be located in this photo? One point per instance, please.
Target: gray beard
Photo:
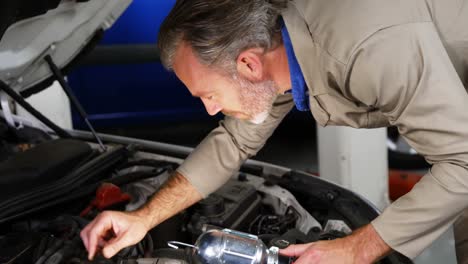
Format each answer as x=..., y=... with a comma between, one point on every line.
x=257, y=98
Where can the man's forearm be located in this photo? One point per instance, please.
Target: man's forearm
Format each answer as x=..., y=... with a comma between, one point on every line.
x=174, y=196
x=368, y=245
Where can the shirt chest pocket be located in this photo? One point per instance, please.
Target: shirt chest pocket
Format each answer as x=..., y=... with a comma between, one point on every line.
x=332, y=110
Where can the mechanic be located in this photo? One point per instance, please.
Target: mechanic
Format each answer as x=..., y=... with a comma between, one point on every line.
x=358, y=63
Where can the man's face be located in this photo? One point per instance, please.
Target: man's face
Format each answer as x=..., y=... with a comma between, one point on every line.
x=234, y=96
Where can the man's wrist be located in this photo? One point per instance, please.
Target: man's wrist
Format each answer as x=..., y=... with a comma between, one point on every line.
x=145, y=216
x=368, y=245
x=175, y=195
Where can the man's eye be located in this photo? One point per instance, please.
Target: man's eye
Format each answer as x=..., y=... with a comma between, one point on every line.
x=210, y=97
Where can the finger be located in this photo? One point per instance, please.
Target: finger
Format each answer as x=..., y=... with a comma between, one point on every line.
x=113, y=246
x=95, y=233
x=295, y=250
x=92, y=246
x=84, y=237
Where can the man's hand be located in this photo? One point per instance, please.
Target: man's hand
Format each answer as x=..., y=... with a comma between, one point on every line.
x=330, y=252
x=113, y=231
x=362, y=247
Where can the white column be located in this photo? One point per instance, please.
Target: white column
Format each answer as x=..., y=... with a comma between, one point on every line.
x=53, y=103
x=355, y=159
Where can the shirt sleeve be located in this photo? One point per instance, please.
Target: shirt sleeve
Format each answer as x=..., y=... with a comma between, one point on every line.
x=405, y=72
x=226, y=148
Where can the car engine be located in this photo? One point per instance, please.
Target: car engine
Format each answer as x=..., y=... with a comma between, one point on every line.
x=48, y=200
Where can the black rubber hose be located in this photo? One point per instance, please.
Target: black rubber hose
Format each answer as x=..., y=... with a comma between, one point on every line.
x=137, y=176
x=82, y=222
x=125, y=252
x=68, y=250
x=86, y=191
x=41, y=248
x=85, y=261
x=56, y=246
x=148, y=163
x=32, y=201
x=149, y=246
x=141, y=249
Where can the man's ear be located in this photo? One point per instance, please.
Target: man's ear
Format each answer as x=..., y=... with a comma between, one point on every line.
x=250, y=64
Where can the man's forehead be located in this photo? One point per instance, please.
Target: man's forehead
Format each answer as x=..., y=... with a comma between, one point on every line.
x=190, y=71
x=185, y=62
x=185, y=59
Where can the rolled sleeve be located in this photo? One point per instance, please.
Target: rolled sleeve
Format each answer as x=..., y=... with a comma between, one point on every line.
x=405, y=72
x=226, y=148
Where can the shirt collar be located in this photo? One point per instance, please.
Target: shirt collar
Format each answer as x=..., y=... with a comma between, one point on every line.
x=299, y=89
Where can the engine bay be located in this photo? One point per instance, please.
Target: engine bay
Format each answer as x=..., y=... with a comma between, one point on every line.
x=45, y=204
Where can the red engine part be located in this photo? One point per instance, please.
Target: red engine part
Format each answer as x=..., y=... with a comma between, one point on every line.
x=106, y=195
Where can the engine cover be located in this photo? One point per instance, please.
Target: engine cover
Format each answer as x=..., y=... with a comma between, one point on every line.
x=233, y=206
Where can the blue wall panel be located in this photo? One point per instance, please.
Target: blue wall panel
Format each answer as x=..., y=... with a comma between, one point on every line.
x=134, y=94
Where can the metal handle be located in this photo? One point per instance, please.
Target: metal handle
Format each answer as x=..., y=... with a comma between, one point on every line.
x=176, y=244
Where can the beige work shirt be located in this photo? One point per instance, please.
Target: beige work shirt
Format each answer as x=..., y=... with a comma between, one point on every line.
x=373, y=63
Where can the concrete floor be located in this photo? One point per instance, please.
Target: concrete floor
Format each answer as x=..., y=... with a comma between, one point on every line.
x=293, y=145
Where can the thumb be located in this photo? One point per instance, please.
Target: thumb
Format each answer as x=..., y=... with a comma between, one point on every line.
x=115, y=245
x=295, y=250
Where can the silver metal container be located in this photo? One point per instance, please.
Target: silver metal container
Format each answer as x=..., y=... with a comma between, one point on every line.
x=228, y=246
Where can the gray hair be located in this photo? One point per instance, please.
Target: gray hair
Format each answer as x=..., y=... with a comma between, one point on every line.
x=219, y=30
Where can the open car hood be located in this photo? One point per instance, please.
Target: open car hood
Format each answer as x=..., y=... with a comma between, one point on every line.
x=61, y=29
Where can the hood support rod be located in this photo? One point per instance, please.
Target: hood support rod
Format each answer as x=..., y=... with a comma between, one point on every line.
x=66, y=87
x=20, y=100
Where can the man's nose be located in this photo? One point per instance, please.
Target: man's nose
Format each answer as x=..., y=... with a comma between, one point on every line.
x=211, y=107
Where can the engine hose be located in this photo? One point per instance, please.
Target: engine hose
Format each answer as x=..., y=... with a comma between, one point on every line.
x=125, y=252
x=58, y=255
x=57, y=244
x=131, y=177
x=82, y=222
x=40, y=249
x=149, y=246
x=85, y=261
x=86, y=191
x=137, y=176
x=46, y=197
x=69, y=248
x=141, y=250
x=147, y=162
x=64, y=224
x=65, y=247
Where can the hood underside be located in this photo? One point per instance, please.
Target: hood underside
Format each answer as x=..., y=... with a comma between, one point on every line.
x=62, y=32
